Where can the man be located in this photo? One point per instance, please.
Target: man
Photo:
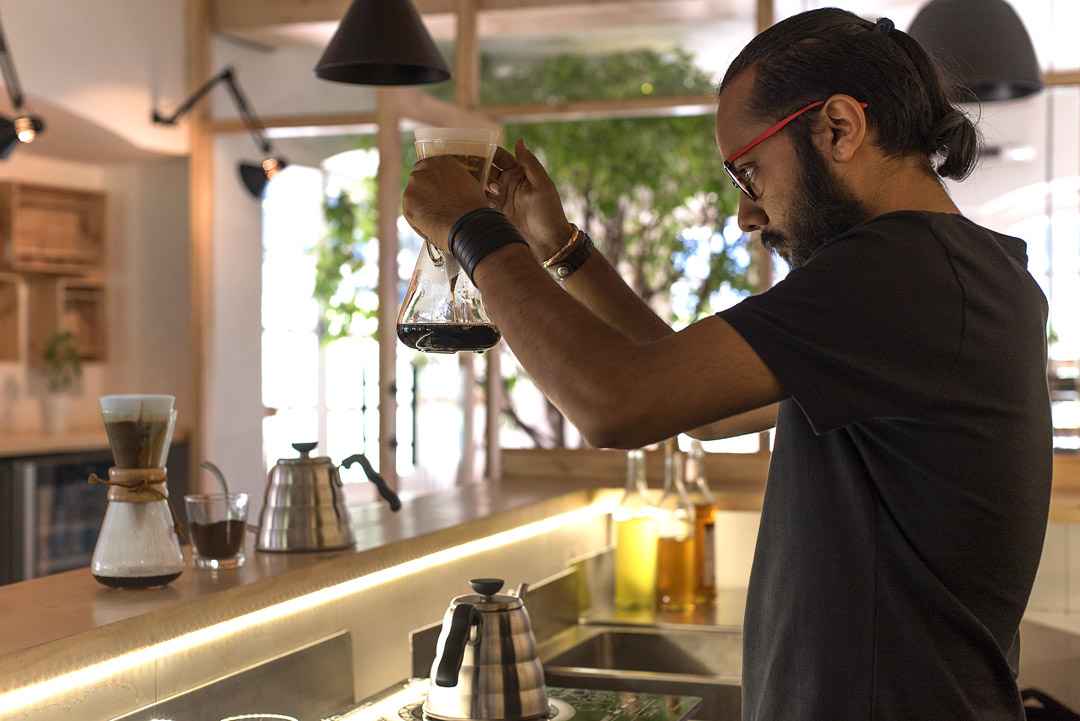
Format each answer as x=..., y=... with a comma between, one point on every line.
x=903, y=360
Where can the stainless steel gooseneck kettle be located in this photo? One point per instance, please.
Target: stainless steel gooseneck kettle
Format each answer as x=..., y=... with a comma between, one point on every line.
x=486, y=665
x=304, y=505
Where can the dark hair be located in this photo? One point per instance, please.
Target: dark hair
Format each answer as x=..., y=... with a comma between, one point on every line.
x=816, y=54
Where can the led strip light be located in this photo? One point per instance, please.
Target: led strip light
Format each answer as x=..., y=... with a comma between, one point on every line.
x=22, y=697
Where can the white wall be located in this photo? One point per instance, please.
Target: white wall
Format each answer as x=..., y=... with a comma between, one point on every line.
x=147, y=299
x=108, y=61
x=232, y=391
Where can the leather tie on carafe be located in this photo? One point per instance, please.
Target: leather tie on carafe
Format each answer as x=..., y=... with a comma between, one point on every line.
x=139, y=485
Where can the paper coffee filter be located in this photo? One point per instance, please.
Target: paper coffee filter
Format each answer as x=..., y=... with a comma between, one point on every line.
x=472, y=135
x=132, y=406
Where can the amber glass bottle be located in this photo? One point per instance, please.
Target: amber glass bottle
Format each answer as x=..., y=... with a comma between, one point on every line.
x=675, y=547
x=704, y=525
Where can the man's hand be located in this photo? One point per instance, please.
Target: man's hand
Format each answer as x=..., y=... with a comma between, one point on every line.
x=440, y=190
x=521, y=188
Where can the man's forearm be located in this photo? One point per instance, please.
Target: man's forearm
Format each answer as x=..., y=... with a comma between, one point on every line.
x=599, y=288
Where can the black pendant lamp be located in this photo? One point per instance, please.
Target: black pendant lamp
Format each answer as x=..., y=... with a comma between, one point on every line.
x=382, y=42
x=982, y=46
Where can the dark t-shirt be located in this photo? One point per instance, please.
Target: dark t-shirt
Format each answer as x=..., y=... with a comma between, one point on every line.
x=909, y=487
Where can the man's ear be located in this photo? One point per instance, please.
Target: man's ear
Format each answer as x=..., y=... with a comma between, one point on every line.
x=844, y=128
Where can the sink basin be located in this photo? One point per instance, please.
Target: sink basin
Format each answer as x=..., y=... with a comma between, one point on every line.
x=701, y=661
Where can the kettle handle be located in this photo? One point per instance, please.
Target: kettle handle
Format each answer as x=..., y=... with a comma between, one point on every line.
x=453, y=650
x=384, y=490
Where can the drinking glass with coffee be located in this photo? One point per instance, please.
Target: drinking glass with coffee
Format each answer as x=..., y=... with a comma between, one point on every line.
x=218, y=524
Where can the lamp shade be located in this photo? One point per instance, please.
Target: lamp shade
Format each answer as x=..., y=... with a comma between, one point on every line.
x=382, y=42
x=981, y=45
x=9, y=137
x=255, y=177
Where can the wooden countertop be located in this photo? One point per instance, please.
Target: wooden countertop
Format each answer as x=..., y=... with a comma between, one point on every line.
x=66, y=604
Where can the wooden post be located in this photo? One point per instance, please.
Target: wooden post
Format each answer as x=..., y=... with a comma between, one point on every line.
x=467, y=56
x=388, y=203
x=201, y=209
x=494, y=387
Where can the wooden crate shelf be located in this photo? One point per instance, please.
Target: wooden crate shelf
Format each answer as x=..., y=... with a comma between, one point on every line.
x=51, y=230
x=11, y=300
x=67, y=303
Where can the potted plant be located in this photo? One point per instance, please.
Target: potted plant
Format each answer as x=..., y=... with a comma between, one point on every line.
x=62, y=368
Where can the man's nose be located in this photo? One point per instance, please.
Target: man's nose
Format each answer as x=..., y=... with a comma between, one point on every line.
x=751, y=215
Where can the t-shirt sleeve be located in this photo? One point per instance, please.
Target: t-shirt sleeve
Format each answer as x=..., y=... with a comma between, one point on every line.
x=870, y=326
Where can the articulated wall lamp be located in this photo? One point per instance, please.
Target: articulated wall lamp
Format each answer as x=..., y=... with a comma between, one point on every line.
x=382, y=42
x=25, y=127
x=255, y=176
x=981, y=45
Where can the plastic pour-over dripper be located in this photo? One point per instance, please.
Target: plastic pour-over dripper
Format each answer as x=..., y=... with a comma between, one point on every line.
x=443, y=312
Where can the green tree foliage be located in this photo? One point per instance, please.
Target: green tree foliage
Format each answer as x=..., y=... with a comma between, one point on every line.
x=635, y=183
x=351, y=225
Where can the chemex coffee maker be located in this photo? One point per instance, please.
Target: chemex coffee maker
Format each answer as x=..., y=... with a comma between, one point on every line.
x=486, y=664
x=139, y=543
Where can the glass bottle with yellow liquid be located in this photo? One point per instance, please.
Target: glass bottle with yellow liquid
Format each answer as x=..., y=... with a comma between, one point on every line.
x=675, y=545
x=697, y=488
x=635, y=540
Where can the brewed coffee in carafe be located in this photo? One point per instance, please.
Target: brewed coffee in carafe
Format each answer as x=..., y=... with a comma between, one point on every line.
x=443, y=312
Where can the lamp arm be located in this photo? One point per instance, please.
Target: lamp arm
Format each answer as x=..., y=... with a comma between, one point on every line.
x=250, y=121
x=11, y=81
x=253, y=125
x=190, y=102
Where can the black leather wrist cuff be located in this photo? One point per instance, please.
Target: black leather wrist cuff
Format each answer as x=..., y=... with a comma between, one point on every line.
x=479, y=233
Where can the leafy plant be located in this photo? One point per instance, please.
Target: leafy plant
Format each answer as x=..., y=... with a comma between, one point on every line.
x=62, y=363
x=351, y=225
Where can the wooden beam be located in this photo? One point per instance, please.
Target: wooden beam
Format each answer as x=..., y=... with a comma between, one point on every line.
x=342, y=124
x=282, y=22
x=1059, y=79
x=423, y=109
x=644, y=106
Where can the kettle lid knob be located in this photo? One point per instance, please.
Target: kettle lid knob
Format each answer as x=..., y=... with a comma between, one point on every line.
x=304, y=448
x=486, y=586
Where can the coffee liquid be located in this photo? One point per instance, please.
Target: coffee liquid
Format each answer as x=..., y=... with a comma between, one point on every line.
x=136, y=581
x=448, y=337
x=218, y=540
x=474, y=164
x=137, y=444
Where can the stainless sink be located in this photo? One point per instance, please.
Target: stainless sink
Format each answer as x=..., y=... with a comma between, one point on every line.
x=698, y=661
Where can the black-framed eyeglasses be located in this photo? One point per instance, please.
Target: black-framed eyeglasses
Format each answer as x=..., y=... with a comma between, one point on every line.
x=738, y=177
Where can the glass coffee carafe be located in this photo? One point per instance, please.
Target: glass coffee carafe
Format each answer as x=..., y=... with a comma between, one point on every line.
x=443, y=312
x=139, y=544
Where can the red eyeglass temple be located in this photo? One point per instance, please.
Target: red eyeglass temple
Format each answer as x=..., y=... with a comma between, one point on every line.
x=776, y=129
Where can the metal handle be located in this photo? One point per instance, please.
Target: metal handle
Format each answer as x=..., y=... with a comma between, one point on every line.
x=453, y=650
x=384, y=490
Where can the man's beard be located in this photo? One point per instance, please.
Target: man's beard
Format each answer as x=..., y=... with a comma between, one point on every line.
x=822, y=208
